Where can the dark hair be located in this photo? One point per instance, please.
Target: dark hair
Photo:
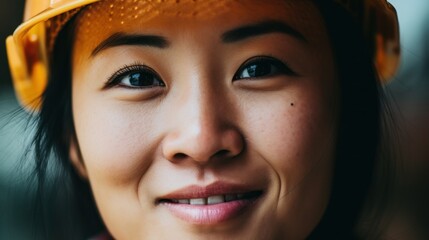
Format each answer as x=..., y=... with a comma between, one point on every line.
x=365, y=164
x=74, y=214
x=357, y=150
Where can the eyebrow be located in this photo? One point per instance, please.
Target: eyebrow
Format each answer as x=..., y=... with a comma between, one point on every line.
x=119, y=39
x=262, y=28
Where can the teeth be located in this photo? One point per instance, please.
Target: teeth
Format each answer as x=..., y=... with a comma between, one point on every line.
x=198, y=201
x=215, y=199
x=183, y=201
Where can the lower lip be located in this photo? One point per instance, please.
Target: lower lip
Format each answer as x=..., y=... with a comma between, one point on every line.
x=209, y=214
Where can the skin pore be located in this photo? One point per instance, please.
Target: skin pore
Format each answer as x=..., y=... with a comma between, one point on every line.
x=238, y=93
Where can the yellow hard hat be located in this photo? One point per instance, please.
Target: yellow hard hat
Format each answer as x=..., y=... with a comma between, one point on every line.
x=28, y=48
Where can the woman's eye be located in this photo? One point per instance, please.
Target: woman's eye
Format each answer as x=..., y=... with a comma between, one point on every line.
x=135, y=77
x=140, y=80
x=262, y=67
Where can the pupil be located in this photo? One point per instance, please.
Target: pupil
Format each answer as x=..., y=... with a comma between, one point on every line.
x=138, y=79
x=260, y=69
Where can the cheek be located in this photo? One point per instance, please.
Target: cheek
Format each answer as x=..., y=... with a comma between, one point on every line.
x=116, y=145
x=113, y=140
x=294, y=133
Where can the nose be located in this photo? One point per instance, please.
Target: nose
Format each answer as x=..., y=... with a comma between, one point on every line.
x=202, y=132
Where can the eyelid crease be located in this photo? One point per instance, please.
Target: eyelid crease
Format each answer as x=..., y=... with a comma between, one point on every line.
x=114, y=78
x=282, y=65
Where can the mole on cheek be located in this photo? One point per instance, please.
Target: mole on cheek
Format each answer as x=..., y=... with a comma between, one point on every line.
x=292, y=104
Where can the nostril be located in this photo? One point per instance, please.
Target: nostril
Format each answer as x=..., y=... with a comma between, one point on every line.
x=219, y=154
x=179, y=156
x=222, y=153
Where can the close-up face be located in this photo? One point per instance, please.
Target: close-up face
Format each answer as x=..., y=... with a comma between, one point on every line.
x=205, y=119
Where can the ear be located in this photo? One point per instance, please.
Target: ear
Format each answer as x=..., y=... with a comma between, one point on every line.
x=76, y=158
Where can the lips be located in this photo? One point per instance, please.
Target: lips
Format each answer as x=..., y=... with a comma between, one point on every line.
x=213, y=204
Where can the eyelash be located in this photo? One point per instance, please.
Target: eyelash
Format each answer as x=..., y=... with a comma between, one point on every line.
x=279, y=66
x=251, y=64
x=116, y=78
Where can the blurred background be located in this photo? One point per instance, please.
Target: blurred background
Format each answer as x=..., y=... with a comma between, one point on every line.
x=409, y=94
x=15, y=210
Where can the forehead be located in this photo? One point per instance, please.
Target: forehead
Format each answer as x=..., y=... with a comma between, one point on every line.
x=105, y=18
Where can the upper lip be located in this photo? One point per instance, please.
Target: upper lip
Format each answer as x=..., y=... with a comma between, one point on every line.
x=216, y=188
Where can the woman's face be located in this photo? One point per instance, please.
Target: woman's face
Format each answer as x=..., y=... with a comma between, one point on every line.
x=205, y=119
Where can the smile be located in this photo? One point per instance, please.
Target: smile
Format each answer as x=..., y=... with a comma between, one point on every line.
x=217, y=199
x=210, y=205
